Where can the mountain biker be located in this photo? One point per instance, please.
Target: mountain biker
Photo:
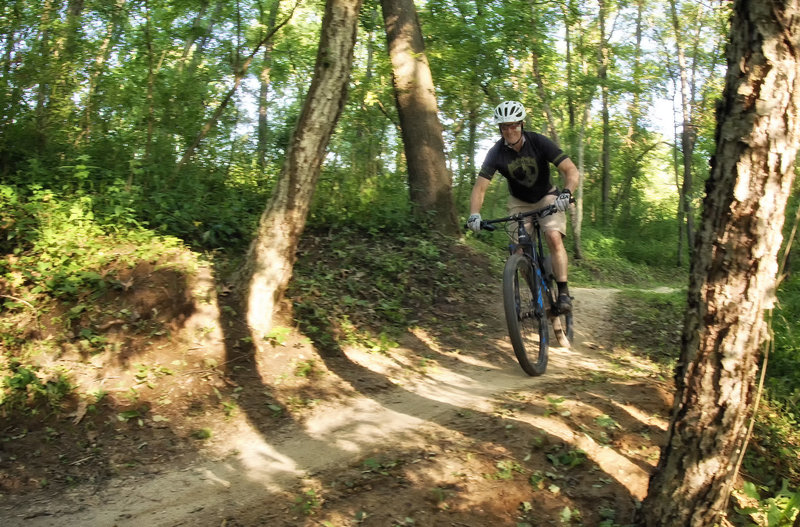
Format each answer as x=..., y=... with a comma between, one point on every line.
x=524, y=158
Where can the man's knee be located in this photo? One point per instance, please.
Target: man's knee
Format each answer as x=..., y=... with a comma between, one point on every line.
x=555, y=239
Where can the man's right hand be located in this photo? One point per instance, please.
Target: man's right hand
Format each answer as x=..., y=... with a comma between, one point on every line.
x=474, y=223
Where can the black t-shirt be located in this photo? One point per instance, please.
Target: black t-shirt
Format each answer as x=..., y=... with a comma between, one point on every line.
x=527, y=171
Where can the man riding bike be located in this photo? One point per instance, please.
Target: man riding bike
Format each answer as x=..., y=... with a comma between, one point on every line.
x=524, y=158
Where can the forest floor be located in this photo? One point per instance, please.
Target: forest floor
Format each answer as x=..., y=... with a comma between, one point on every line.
x=190, y=426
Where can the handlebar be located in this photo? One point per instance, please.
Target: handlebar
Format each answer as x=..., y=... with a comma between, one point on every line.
x=488, y=225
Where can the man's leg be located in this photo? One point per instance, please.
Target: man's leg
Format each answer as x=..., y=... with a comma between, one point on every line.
x=559, y=258
x=558, y=254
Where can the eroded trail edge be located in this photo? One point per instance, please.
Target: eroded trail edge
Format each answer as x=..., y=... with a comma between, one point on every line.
x=447, y=422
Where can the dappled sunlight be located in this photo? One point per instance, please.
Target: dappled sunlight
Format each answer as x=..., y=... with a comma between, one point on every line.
x=614, y=464
x=650, y=419
x=563, y=360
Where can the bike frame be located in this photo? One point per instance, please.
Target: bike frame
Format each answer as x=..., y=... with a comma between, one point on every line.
x=531, y=245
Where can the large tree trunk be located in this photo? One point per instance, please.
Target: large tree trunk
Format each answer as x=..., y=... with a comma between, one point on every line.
x=272, y=254
x=428, y=179
x=734, y=266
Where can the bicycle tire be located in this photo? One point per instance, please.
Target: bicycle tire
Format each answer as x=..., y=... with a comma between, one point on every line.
x=525, y=313
x=563, y=328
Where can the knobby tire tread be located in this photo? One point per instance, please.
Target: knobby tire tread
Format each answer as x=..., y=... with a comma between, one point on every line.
x=523, y=318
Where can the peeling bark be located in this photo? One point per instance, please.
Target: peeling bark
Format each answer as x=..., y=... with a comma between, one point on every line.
x=734, y=266
x=271, y=257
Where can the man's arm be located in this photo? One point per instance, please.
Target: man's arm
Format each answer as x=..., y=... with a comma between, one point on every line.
x=569, y=174
x=479, y=192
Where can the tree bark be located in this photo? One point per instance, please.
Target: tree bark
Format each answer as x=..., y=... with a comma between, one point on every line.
x=112, y=26
x=45, y=77
x=632, y=145
x=428, y=179
x=544, y=99
x=271, y=256
x=150, y=92
x=734, y=266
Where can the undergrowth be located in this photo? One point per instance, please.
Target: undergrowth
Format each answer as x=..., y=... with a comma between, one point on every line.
x=367, y=287
x=651, y=324
x=60, y=256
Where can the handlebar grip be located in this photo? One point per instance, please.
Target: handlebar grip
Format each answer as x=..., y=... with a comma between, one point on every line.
x=484, y=226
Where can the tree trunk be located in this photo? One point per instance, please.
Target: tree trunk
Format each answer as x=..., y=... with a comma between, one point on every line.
x=237, y=81
x=271, y=256
x=602, y=74
x=45, y=77
x=263, y=93
x=576, y=212
x=734, y=266
x=112, y=26
x=687, y=131
x=544, y=99
x=197, y=30
x=428, y=179
x=632, y=145
x=150, y=92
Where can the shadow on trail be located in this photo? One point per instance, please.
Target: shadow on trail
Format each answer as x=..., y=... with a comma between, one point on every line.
x=390, y=415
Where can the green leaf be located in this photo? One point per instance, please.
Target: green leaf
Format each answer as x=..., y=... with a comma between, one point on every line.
x=606, y=421
x=127, y=415
x=751, y=491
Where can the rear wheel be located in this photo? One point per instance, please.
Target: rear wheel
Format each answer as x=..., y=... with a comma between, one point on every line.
x=525, y=313
x=562, y=322
x=562, y=329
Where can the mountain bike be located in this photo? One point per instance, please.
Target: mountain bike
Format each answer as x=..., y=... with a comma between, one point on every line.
x=530, y=299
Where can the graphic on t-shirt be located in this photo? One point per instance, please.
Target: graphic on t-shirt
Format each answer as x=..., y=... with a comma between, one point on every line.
x=524, y=170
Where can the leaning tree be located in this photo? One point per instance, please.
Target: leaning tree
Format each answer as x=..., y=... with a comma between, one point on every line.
x=733, y=273
x=271, y=256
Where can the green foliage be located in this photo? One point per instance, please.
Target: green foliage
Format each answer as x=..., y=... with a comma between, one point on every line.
x=778, y=510
x=776, y=453
x=307, y=503
x=567, y=458
x=382, y=283
x=26, y=386
x=637, y=255
x=60, y=244
x=651, y=323
x=784, y=364
x=778, y=420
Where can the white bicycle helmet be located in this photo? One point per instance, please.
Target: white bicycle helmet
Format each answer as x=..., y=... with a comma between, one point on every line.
x=509, y=112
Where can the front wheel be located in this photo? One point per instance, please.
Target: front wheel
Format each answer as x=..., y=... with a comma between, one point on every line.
x=525, y=313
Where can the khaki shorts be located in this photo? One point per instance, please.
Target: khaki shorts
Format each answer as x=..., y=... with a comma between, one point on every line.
x=552, y=222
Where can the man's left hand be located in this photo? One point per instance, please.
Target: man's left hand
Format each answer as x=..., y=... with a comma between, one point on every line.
x=562, y=201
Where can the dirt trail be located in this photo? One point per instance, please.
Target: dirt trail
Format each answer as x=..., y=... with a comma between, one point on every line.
x=426, y=420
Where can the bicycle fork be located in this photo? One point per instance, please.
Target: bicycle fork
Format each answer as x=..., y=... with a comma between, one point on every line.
x=533, y=280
